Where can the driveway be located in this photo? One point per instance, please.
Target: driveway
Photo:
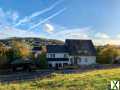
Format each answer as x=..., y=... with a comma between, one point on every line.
x=19, y=76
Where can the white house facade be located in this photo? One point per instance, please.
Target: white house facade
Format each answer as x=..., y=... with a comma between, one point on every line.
x=73, y=52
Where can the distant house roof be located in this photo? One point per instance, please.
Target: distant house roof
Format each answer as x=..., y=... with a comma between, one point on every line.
x=56, y=49
x=80, y=47
x=20, y=61
x=36, y=48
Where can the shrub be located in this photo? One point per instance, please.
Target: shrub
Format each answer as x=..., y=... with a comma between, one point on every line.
x=41, y=61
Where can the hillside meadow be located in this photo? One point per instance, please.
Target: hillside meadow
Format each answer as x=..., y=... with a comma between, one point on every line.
x=92, y=80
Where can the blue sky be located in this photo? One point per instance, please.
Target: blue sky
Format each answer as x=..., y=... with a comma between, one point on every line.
x=98, y=20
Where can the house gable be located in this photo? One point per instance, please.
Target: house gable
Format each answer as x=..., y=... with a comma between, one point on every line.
x=80, y=47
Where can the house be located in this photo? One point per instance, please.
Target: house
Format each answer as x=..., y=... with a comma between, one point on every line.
x=72, y=52
x=36, y=50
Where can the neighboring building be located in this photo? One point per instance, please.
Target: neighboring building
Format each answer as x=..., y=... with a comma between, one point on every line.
x=36, y=50
x=73, y=52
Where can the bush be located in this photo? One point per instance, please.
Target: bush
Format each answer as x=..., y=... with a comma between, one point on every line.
x=41, y=61
x=107, y=54
x=3, y=62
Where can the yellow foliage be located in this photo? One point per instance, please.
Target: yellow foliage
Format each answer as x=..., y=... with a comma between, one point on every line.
x=22, y=49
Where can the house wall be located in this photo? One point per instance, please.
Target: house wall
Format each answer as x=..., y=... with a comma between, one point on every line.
x=84, y=60
x=58, y=55
x=53, y=63
x=90, y=60
x=81, y=60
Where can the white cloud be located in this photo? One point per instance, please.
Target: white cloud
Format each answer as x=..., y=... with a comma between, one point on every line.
x=7, y=32
x=102, y=35
x=106, y=41
x=118, y=36
x=77, y=33
x=83, y=33
x=48, y=28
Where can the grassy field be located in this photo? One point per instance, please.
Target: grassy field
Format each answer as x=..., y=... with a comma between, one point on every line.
x=94, y=80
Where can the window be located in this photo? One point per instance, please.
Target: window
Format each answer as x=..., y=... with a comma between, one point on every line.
x=50, y=65
x=79, y=59
x=52, y=55
x=71, y=60
x=85, y=59
x=65, y=55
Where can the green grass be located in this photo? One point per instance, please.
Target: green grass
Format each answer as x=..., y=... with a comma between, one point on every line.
x=93, y=80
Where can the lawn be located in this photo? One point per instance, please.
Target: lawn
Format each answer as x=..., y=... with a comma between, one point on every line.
x=93, y=80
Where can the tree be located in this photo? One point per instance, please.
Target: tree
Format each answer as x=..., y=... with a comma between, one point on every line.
x=3, y=57
x=2, y=49
x=107, y=54
x=42, y=62
x=20, y=50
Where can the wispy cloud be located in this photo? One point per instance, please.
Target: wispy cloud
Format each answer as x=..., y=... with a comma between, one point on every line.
x=7, y=29
x=7, y=18
x=48, y=18
x=28, y=18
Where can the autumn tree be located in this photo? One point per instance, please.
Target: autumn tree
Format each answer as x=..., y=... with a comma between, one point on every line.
x=20, y=49
x=107, y=54
x=3, y=57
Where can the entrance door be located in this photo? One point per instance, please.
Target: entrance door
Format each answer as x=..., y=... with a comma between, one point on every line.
x=58, y=66
x=75, y=60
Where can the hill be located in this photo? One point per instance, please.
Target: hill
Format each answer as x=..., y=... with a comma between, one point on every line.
x=93, y=80
x=31, y=40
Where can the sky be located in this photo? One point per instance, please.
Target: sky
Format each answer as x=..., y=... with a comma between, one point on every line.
x=98, y=20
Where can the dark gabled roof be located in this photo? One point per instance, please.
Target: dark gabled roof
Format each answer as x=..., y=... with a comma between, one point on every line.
x=74, y=47
x=36, y=48
x=56, y=48
x=21, y=61
x=80, y=47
